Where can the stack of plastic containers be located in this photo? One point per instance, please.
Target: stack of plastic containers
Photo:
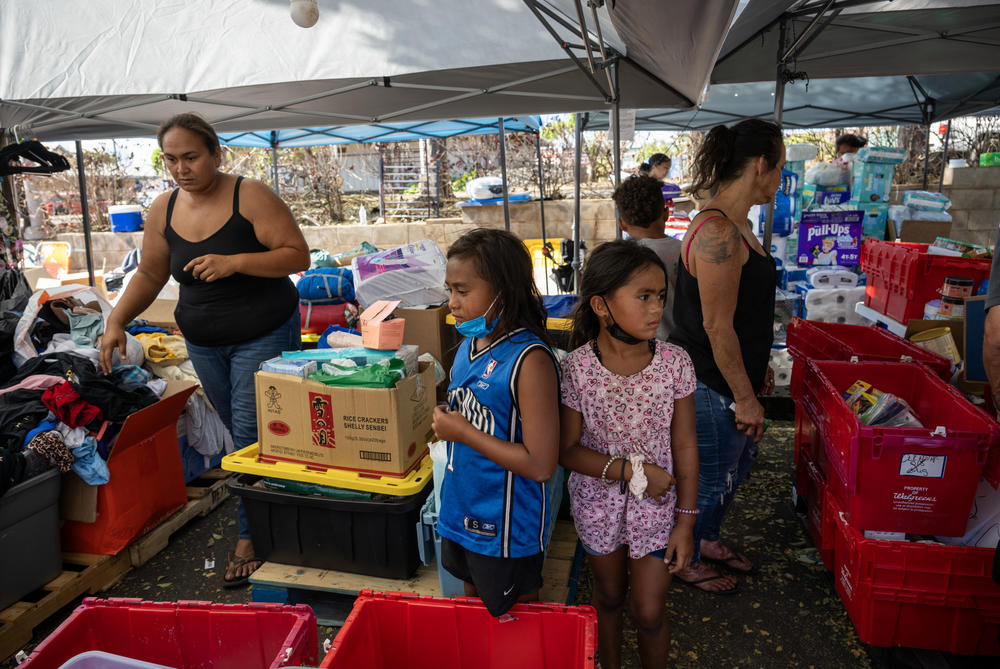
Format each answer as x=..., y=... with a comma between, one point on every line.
x=903, y=277
x=331, y=519
x=876, y=496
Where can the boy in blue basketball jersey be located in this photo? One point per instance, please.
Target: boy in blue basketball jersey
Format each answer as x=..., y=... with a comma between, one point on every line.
x=501, y=423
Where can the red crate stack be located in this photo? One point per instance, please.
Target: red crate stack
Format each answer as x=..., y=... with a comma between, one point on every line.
x=901, y=593
x=919, y=480
x=903, y=277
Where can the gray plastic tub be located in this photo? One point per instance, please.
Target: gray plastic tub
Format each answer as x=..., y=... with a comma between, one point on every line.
x=29, y=537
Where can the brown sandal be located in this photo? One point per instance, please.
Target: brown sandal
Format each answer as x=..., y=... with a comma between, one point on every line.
x=235, y=563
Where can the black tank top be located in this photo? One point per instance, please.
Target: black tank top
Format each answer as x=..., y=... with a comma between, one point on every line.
x=231, y=310
x=753, y=321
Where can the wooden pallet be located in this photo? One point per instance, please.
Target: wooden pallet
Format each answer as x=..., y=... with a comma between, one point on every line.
x=86, y=574
x=332, y=593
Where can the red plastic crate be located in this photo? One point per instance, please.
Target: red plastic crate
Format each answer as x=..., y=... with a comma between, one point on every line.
x=821, y=510
x=808, y=441
x=812, y=340
x=903, y=277
x=185, y=635
x=919, y=480
x=391, y=630
x=917, y=595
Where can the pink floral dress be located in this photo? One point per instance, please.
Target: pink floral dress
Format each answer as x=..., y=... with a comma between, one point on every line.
x=624, y=415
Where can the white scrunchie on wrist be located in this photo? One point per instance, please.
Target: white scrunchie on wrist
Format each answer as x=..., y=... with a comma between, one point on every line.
x=638, y=483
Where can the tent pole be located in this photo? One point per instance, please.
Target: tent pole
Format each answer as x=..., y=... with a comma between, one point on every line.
x=616, y=155
x=944, y=155
x=779, y=107
x=85, y=210
x=503, y=174
x=577, y=150
x=274, y=161
x=927, y=153
x=541, y=204
x=381, y=186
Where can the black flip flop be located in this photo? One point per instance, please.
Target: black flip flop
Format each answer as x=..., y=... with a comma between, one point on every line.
x=722, y=593
x=732, y=561
x=238, y=562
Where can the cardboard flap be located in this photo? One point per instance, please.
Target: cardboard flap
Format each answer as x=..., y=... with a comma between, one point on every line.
x=152, y=419
x=378, y=311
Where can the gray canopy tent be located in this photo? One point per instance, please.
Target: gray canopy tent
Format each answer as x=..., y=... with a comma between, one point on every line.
x=791, y=40
x=116, y=68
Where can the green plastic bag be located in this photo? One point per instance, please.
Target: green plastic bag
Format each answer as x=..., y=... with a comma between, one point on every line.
x=383, y=374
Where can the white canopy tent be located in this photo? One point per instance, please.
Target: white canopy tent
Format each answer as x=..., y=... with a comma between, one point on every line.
x=117, y=68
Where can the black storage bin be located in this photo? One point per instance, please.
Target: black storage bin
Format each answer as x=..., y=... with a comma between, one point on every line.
x=374, y=538
x=29, y=537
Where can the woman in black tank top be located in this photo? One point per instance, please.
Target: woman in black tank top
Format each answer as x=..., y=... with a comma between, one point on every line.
x=231, y=245
x=724, y=317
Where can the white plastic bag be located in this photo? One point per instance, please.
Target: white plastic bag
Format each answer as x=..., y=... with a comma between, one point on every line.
x=412, y=274
x=829, y=174
x=24, y=350
x=484, y=188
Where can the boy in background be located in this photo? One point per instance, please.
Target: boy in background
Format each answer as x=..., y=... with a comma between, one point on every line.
x=642, y=215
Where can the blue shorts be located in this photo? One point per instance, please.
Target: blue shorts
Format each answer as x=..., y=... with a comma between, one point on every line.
x=662, y=553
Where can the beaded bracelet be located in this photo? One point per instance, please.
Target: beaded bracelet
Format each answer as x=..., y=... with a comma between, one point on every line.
x=604, y=472
x=690, y=512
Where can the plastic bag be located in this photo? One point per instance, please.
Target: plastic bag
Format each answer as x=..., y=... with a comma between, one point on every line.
x=829, y=174
x=484, y=188
x=14, y=291
x=383, y=374
x=326, y=285
x=412, y=274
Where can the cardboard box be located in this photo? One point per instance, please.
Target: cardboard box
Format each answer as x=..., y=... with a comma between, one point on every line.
x=77, y=278
x=161, y=313
x=145, y=487
x=379, y=333
x=958, y=334
x=875, y=217
x=872, y=182
x=382, y=431
x=923, y=232
x=429, y=330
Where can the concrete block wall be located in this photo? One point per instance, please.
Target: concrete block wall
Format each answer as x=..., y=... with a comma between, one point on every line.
x=975, y=203
x=597, y=224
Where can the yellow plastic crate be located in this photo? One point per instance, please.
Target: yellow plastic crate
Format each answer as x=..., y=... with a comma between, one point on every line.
x=245, y=462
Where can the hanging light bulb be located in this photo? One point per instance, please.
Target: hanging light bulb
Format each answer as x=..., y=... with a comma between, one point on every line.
x=305, y=13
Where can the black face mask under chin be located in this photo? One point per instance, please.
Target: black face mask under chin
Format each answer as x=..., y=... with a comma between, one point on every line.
x=616, y=330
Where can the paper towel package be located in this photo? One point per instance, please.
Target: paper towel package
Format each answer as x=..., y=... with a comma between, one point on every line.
x=831, y=278
x=830, y=238
x=412, y=274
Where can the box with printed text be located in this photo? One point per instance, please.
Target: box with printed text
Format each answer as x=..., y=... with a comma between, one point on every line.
x=381, y=431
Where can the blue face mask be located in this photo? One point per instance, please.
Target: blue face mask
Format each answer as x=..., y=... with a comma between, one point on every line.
x=478, y=327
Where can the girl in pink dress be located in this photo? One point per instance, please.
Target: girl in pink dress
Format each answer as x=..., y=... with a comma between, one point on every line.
x=628, y=435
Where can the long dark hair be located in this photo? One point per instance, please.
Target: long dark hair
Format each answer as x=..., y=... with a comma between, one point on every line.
x=726, y=151
x=194, y=123
x=608, y=268
x=502, y=260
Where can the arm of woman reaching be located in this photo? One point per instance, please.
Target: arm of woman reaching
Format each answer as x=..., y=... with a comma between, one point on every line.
x=576, y=457
x=275, y=228
x=684, y=446
x=538, y=401
x=145, y=285
x=719, y=254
